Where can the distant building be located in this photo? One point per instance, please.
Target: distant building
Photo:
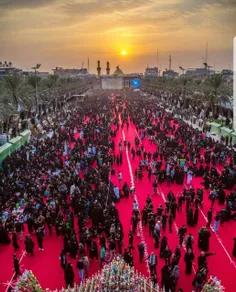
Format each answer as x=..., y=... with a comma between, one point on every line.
x=152, y=72
x=64, y=73
x=39, y=74
x=118, y=72
x=199, y=72
x=227, y=76
x=227, y=72
x=7, y=70
x=170, y=74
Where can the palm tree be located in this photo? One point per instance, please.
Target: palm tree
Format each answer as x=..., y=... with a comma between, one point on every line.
x=6, y=108
x=52, y=81
x=183, y=82
x=13, y=85
x=34, y=81
x=215, y=84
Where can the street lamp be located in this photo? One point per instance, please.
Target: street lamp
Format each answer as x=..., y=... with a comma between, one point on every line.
x=182, y=69
x=35, y=68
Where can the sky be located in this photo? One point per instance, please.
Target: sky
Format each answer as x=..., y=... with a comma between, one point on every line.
x=67, y=33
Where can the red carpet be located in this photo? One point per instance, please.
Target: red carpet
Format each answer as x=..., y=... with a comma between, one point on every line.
x=46, y=265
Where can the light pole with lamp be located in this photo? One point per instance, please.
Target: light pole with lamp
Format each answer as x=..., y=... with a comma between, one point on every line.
x=35, y=74
x=183, y=70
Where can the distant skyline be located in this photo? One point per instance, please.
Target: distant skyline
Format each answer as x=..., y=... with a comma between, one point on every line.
x=67, y=33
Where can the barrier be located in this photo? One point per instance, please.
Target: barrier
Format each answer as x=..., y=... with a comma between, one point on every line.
x=5, y=151
x=233, y=134
x=225, y=132
x=16, y=143
x=25, y=136
x=215, y=128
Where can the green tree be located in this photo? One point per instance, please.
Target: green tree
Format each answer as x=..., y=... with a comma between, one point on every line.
x=217, y=93
x=13, y=85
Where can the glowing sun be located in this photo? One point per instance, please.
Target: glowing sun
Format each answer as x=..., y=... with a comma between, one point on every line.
x=123, y=53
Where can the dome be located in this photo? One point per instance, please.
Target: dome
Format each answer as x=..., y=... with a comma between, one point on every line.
x=118, y=72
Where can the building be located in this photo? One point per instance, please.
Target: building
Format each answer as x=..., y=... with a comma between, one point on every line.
x=199, y=72
x=118, y=80
x=39, y=74
x=64, y=73
x=170, y=74
x=118, y=72
x=227, y=76
x=6, y=69
x=152, y=72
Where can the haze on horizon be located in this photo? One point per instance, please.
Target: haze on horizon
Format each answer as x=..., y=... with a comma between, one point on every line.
x=65, y=33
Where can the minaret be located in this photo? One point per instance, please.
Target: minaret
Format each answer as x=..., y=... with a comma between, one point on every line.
x=108, y=68
x=169, y=62
x=99, y=69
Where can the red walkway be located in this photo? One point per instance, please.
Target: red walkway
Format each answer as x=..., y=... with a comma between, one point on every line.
x=46, y=265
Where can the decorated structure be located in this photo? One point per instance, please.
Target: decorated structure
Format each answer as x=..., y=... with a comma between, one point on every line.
x=115, y=276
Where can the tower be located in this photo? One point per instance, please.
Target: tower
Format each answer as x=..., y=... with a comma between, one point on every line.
x=99, y=69
x=169, y=62
x=108, y=68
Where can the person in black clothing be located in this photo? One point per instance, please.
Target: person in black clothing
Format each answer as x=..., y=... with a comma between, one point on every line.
x=151, y=224
x=202, y=259
x=14, y=242
x=39, y=235
x=49, y=223
x=29, y=245
x=119, y=241
x=167, y=255
x=178, y=253
x=19, y=227
x=93, y=251
x=198, y=282
x=165, y=277
x=204, y=238
x=181, y=234
x=163, y=245
x=69, y=275
x=174, y=261
x=163, y=221
x=234, y=248
x=63, y=259
x=73, y=247
x=16, y=266
x=188, y=258
x=195, y=217
x=141, y=249
x=173, y=208
x=170, y=222
x=102, y=240
x=209, y=218
x=190, y=217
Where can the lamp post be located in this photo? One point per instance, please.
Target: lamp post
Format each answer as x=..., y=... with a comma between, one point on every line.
x=35, y=68
x=182, y=69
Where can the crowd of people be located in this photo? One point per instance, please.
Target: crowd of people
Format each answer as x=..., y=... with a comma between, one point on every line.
x=65, y=180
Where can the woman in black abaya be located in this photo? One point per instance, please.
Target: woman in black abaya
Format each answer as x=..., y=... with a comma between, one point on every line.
x=234, y=249
x=195, y=217
x=188, y=258
x=205, y=240
x=73, y=248
x=164, y=244
x=190, y=217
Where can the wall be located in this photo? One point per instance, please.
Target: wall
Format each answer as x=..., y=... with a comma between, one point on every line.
x=112, y=83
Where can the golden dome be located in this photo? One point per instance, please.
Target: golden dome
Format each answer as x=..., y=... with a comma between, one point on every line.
x=118, y=72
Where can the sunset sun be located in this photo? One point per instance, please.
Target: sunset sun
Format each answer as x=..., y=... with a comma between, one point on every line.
x=123, y=53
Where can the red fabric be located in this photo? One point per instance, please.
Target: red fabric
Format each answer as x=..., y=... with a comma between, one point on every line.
x=46, y=265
